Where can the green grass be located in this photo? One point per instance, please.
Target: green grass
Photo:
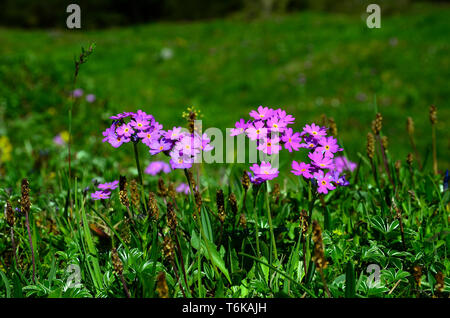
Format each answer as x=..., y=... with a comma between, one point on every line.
x=308, y=64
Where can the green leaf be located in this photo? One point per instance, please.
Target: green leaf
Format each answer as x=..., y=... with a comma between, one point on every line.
x=350, y=284
x=6, y=282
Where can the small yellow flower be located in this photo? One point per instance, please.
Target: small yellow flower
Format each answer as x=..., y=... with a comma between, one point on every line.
x=51, y=111
x=5, y=149
x=65, y=136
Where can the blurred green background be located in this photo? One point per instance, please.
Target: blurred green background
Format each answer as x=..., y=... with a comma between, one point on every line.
x=308, y=57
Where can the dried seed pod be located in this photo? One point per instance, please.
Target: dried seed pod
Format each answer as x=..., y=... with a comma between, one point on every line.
x=243, y=220
x=370, y=145
x=153, y=206
x=25, y=203
x=377, y=124
x=9, y=212
x=161, y=285
x=171, y=217
x=123, y=193
x=117, y=263
x=220, y=205
x=233, y=203
x=245, y=181
x=162, y=190
x=433, y=114
x=168, y=248
x=319, y=255
x=135, y=197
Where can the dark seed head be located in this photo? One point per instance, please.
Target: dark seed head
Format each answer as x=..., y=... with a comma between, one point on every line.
x=220, y=205
x=9, y=214
x=161, y=285
x=25, y=203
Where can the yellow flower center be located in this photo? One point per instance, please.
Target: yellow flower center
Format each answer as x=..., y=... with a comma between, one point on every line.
x=324, y=182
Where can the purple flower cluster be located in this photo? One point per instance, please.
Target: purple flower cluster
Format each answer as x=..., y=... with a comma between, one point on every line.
x=128, y=126
x=183, y=147
x=183, y=188
x=262, y=172
x=269, y=127
x=186, y=147
x=324, y=167
x=77, y=93
x=156, y=167
x=104, y=191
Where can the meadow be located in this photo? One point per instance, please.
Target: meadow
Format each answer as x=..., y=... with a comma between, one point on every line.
x=210, y=230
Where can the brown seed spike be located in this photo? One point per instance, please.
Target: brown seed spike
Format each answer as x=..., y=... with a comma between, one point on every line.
x=25, y=203
x=276, y=192
x=10, y=219
x=417, y=273
x=319, y=255
x=333, y=126
x=220, y=205
x=153, y=206
x=135, y=197
x=171, y=191
x=168, y=248
x=171, y=217
x=233, y=203
x=243, y=220
x=384, y=142
x=117, y=263
x=377, y=124
x=433, y=114
x=410, y=159
x=245, y=181
x=161, y=285
x=123, y=193
x=303, y=221
x=198, y=202
x=439, y=287
x=162, y=190
x=410, y=126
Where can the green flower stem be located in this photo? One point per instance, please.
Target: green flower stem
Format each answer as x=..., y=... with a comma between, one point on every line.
x=27, y=221
x=272, y=236
x=138, y=165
